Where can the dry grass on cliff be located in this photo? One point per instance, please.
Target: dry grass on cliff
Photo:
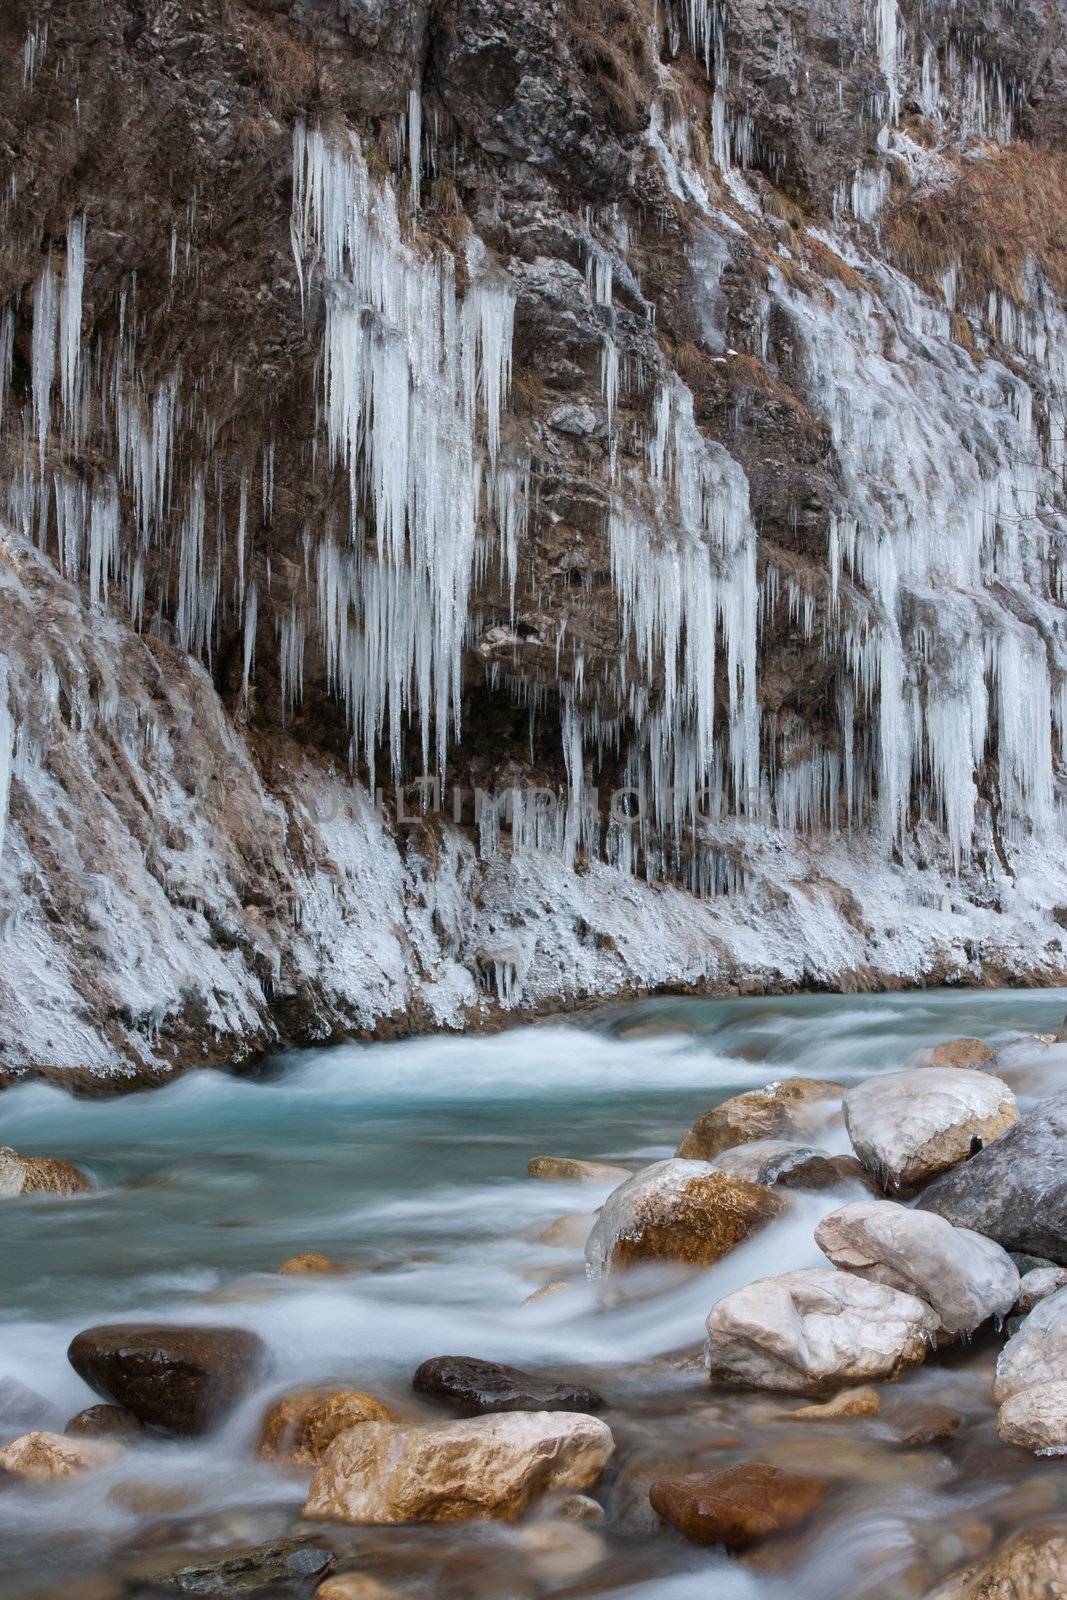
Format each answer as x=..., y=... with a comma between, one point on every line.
x=611, y=41
x=1006, y=207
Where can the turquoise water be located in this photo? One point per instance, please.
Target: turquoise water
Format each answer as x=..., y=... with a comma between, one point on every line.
x=408, y=1161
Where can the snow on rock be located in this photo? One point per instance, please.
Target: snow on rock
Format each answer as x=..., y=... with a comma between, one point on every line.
x=906, y=1127
x=963, y=1276
x=814, y=1331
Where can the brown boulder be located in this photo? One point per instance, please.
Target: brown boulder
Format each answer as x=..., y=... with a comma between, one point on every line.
x=299, y=1428
x=310, y=1264
x=737, y=1507
x=569, y=1169
x=23, y=1175
x=682, y=1211
x=1031, y=1566
x=46, y=1457
x=780, y=1111
x=182, y=1379
x=959, y=1053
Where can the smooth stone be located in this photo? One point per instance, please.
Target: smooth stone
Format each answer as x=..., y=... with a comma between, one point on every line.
x=805, y=1168
x=682, y=1211
x=864, y=1402
x=567, y=1169
x=299, y=1427
x=1031, y=1566
x=1036, y=1418
x=575, y=1508
x=311, y=1264
x=965, y=1278
x=1014, y=1191
x=739, y=1506
x=814, y=1331
x=964, y=1052
x=1030, y=1386
x=560, y=1550
x=906, y=1127
x=23, y=1175
x=104, y=1422
x=45, y=1457
x=183, y=1379
x=243, y=1569
x=354, y=1586
x=915, y=1422
x=1037, y=1285
x=569, y=1232
x=485, y=1467
x=472, y=1387
x=785, y=1110
x=749, y=1160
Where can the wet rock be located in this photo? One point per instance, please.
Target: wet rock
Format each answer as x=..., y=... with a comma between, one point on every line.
x=560, y=1550
x=299, y=1428
x=1030, y=1386
x=916, y=1422
x=737, y=1507
x=1031, y=1566
x=577, y=1508
x=246, y=1569
x=1036, y=1418
x=814, y=1331
x=485, y=1467
x=23, y=1175
x=1038, y=1284
x=793, y=1109
x=104, y=1422
x=354, y=1586
x=963, y=1276
x=864, y=1402
x=567, y=1169
x=682, y=1211
x=311, y=1265
x=814, y=1169
x=182, y=1379
x=1014, y=1191
x=547, y=1290
x=46, y=1457
x=972, y=1053
x=569, y=1232
x=471, y=1387
x=906, y=1127
x=751, y=1160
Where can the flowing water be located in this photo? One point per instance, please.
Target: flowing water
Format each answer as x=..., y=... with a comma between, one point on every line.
x=408, y=1162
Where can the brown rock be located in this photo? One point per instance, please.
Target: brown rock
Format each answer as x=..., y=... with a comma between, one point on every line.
x=781, y=1111
x=103, y=1422
x=819, y=1171
x=354, y=1586
x=682, y=1211
x=739, y=1506
x=959, y=1053
x=310, y=1264
x=46, y=1457
x=566, y=1169
x=183, y=1379
x=921, y=1422
x=299, y=1428
x=23, y=1175
x=864, y=1402
x=1031, y=1566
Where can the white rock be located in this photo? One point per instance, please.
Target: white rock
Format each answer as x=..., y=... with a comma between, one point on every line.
x=1036, y=1418
x=964, y=1277
x=1037, y=1353
x=1037, y=1285
x=814, y=1331
x=908, y=1126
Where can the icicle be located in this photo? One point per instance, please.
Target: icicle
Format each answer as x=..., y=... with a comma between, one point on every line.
x=251, y=616
x=70, y=323
x=242, y=528
x=414, y=146
x=44, y=355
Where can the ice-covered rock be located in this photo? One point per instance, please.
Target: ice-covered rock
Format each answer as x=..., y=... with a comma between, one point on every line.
x=683, y=1211
x=1030, y=1386
x=493, y=1466
x=906, y=1127
x=1038, y=1284
x=814, y=1331
x=963, y=1276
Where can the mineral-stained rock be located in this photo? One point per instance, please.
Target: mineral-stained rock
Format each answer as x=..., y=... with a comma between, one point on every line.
x=471, y=1387
x=792, y=1109
x=23, y=1175
x=1038, y=1284
x=183, y=1379
x=906, y=1127
x=963, y=1276
x=681, y=1211
x=103, y=1422
x=1014, y=1191
x=298, y=1428
x=485, y=1467
x=959, y=1053
x=48, y=1456
x=1031, y=1566
x=568, y=1169
x=739, y=1506
x=814, y=1331
x=310, y=1264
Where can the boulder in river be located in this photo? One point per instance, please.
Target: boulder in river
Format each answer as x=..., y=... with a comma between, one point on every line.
x=104, y=1422
x=182, y=1379
x=23, y=1175
x=1030, y=1386
x=792, y=1109
x=1014, y=1191
x=279, y=1566
x=484, y=1467
x=569, y=1169
x=973, y=1053
x=682, y=1211
x=965, y=1278
x=299, y=1427
x=1031, y=1566
x=906, y=1127
x=814, y=1331
x=1036, y=1418
x=46, y=1457
x=737, y=1506
x=311, y=1264
x=472, y=1388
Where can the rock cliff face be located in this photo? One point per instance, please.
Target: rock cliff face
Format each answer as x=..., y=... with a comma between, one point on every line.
x=650, y=417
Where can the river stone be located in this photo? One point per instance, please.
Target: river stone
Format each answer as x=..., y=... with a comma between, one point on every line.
x=104, y=1422
x=815, y=1331
x=568, y=1169
x=815, y=1169
x=471, y=1387
x=299, y=1428
x=355, y=1586
x=484, y=1467
x=863, y=1402
x=182, y=1379
x=750, y=1160
x=1037, y=1285
x=915, y=1422
x=23, y=1175
x=1036, y=1418
x=906, y=1127
x=792, y=1109
x=1031, y=1566
x=1014, y=1191
x=739, y=1506
x=964, y=1277
x=240, y=1570
x=1035, y=1359
x=311, y=1264
x=675, y=1210
x=45, y=1457
x=972, y=1053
